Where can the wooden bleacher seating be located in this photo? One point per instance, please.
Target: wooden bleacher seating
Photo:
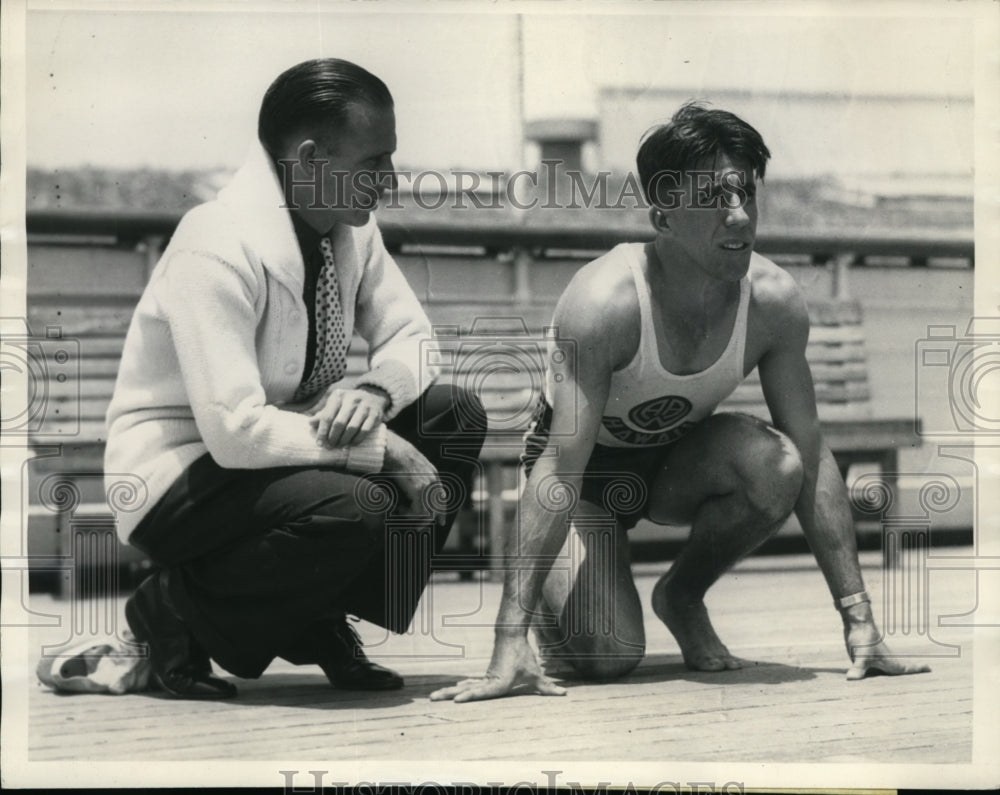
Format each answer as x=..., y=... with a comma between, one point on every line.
x=90, y=300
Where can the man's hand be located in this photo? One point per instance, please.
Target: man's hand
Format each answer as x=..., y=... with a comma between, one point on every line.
x=346, y=416
x=414, y=474
x=868, y=652
x=514, y=670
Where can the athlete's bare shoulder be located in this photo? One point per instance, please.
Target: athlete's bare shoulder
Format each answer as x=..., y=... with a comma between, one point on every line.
x=604, y=286
x=778, y=311
x=600, y=306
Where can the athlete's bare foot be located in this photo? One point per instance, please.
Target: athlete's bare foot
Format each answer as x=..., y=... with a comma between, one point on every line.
x=688, y=621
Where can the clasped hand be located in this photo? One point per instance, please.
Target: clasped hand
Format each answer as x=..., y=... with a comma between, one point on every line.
x=346, y=416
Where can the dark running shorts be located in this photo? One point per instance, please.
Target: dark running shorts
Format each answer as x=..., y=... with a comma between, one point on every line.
x=615, y=478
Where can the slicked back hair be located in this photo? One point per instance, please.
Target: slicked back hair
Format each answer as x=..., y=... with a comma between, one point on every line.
x=315, y=95
x=694, y=135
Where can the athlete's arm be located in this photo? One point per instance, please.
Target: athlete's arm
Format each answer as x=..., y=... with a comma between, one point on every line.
x=823, y=508
x=591, y=346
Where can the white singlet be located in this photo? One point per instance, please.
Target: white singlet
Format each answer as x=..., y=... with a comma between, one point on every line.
x=649, y=405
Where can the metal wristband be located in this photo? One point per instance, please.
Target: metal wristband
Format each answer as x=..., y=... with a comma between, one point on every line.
x=849, y=601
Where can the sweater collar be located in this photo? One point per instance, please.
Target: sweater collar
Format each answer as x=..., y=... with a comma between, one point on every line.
x=255, y=194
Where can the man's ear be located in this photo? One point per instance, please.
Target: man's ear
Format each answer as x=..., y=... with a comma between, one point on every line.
x=305, y=153
x=658, y=218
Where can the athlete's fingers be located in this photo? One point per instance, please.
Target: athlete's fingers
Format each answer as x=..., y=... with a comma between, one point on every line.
x=547, y=687
x=444, y=693
x=486, y=691
x=456, y=693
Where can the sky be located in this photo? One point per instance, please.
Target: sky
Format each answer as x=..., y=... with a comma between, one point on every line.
x=177, y=85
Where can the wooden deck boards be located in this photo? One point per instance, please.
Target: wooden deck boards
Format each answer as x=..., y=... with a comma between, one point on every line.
x=790, y=704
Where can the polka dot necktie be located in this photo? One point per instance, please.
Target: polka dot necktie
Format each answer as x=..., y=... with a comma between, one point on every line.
x=332, y=343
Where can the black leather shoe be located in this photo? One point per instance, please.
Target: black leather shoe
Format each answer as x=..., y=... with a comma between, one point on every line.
x=346, y=665
x=181, y=668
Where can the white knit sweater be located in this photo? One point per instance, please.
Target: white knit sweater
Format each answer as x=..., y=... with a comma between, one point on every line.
x=216, y=348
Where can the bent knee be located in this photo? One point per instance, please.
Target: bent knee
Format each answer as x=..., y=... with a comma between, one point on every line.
x=769, y=466
x=776, y=482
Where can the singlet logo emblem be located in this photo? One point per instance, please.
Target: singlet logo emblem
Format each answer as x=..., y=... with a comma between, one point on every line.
x=659, y=413
x=660, y=420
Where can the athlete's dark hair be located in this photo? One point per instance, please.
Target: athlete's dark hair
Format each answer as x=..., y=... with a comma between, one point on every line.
x=313, y=94
x=694, y=135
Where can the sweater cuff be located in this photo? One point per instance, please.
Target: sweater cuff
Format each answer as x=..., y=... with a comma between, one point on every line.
x=397, y=380
x=367, y=456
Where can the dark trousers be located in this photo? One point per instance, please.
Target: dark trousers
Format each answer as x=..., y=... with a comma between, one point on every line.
x=257, y=559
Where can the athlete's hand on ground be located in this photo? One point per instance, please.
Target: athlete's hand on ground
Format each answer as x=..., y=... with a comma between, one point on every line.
x=868, y=652
x=411, y=470
x=346, y=416
x=514, y=670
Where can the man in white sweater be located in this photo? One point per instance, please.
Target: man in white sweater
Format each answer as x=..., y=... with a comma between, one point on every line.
x=232, y=406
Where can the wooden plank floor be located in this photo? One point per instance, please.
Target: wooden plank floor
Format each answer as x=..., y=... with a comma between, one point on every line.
x=790, y=704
